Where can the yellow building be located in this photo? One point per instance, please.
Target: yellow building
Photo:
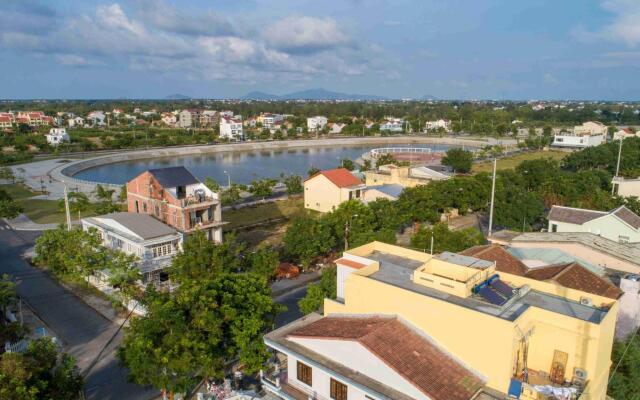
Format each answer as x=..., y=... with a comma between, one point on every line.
x=404, y=176
x=518, y=333
x=325, y=190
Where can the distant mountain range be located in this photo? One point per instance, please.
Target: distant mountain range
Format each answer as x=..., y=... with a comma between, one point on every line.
x=310, y=94
x=177, y=96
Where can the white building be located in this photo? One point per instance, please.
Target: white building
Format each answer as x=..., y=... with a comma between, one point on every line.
x=590, y=128
x=363, y=357
x=316, y=123
x=57, y=136
x=578, y=140
x=269, y=121
x=75, y=122
x=392, y=125
x=231, y=128
x=96, y=118
x=336, y=128
x=626, y=187
x=186, y=118
x=441, y=123
x=152, y=242
x=620, y=225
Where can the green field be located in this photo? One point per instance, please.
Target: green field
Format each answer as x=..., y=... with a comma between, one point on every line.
x=285, y=209
x=511, y=162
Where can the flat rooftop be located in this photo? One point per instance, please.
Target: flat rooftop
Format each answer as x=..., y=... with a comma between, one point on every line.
x=397, y=271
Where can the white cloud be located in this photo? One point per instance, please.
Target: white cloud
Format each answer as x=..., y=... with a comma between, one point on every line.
x=157, y=37
x=624, y=27
x=548, y=78
x=305, y=34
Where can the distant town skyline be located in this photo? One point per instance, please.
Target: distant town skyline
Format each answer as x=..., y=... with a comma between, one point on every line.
x=490, y=49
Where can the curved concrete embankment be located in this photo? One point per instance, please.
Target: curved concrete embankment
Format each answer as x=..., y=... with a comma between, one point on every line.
x=67, y=171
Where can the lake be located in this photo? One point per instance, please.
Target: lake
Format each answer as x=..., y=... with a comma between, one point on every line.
x=243, y=166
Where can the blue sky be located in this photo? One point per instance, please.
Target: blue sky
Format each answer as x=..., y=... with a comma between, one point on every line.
x=454, y=49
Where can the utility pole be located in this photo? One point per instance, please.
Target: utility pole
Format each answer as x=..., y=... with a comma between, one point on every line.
x=613, y=187
x=431, y=242
x=493, y=194
x=66, y=208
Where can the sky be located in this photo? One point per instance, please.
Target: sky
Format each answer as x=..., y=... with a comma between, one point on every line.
x=454, y=49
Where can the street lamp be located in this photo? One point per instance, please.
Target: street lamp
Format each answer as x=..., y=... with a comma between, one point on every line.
x=228, y=179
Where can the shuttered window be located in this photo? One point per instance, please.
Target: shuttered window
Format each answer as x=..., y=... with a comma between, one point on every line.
x=338, y=390
x=304, y=373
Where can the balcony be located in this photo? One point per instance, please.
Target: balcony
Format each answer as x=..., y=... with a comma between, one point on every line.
x=276, y=381
x=194, y=201
x=539, y=385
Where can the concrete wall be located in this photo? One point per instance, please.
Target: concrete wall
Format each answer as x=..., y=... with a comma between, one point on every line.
x=320, y=194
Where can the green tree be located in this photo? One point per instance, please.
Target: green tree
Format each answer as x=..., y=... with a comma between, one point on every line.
x=316, y=293
x=39, y=373
x=312, y=171
x=78, y=203
x=625, y=381
x=458, y=159
x=294, y=184
x=264, y=262
x=9, y=208
x=74, y=253
x=262, y=188
x=445, y=239
x=347, y=164
x=124, y=274
x=122, y=196
x=212, y=184
x=305, y=239
x=104, y=194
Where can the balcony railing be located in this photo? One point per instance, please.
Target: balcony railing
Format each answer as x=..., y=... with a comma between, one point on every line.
x=277, y=381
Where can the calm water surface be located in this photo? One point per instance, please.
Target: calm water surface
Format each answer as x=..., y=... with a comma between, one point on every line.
x=243, y=166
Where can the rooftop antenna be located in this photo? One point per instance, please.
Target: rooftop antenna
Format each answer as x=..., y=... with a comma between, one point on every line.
x=618, y=164
x=493, y=195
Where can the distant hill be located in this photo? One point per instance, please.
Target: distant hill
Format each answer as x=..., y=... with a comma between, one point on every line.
x=428, y=97
x=177, y=96
x=310, y=94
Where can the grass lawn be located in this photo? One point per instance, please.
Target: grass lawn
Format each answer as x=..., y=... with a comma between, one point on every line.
x=263, y=212
x=511, y=162
x=40, y=211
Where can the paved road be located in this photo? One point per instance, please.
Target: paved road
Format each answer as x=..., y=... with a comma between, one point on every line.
x=290, y=300
x=83, y=331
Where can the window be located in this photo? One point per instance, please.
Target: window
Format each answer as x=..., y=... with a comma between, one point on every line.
x=162, y=249
x=338, y=390
x=554, y=228
x=304, y=373
x=144, y=207
x=137, y=207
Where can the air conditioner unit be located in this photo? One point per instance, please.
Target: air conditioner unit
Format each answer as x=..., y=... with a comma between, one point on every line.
x=586, y=301
x=579, y=378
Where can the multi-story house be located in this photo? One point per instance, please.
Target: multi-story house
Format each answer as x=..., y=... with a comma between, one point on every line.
x=269, y=121
x=169, y=119
x=177, y=198
x=577, y=140
x=231, y=128
x=207, y=118
x=31, y=118
x=410, y=325
x=153, y=243
x=57, y=136
x=327, y=189
x=96, y=118
x=590, y=128
x=75, y=122
x=188, y=118
x=624, y=133
x=620, y=224
x=5, y=122
x=316, y=123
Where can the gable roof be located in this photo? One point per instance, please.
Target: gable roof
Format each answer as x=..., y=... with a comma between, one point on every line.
x=401, y=348
x=573, y=215
x=570, y=275
x=174, y=176
x=341, y=177
x=143, y=225
x=505, y=261
x=627, y=216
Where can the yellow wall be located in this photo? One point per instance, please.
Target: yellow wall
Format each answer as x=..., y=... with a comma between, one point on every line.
x=322, y=195
x=399, y=176
x=486, y=343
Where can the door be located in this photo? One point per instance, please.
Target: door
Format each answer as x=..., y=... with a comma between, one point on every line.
x=558, y=367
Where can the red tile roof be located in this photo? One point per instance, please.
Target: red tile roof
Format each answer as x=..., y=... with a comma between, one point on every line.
x=350, y=263
x=341, y=177
x=4, y=118
x=404, y=350
x=571, y=275
x=505, y=261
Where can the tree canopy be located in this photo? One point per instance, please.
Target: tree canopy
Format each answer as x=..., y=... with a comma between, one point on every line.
x=458, y=159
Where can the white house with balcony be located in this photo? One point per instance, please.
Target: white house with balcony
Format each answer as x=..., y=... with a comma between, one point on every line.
x=231, y=128
x=437, y=124
x=57, y=136
x=152, y=242
x=316, y=123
